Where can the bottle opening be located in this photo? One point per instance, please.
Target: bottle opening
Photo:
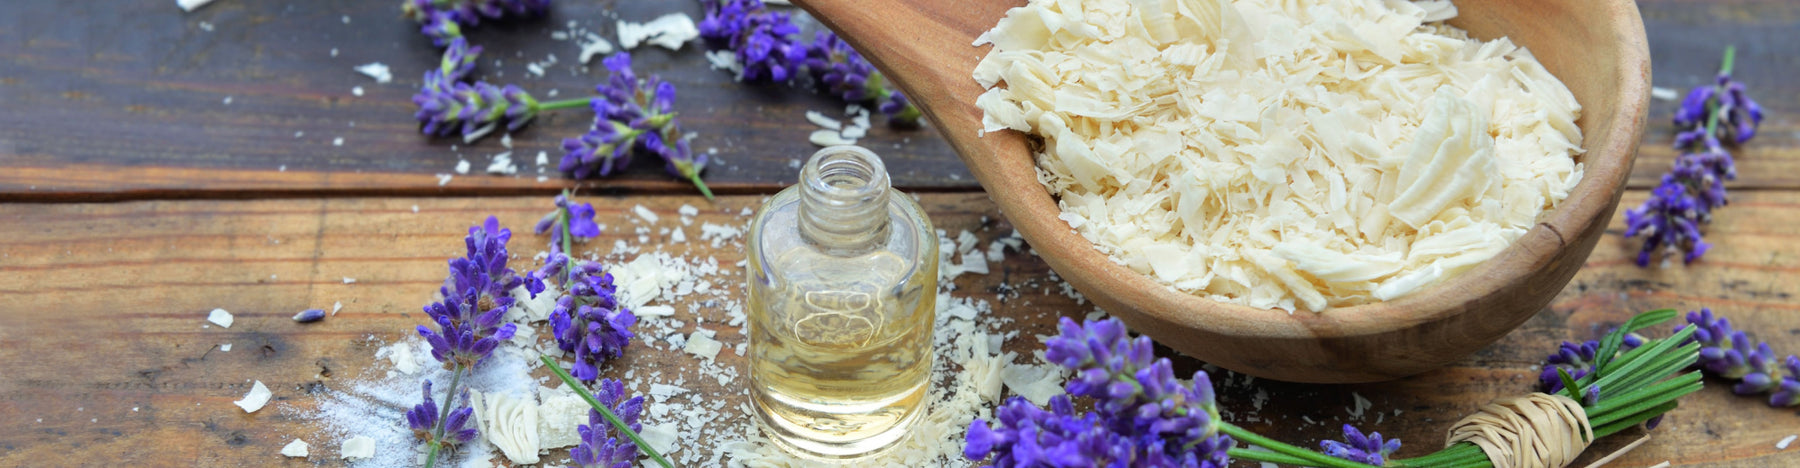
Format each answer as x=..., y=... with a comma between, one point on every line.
x=844, y=199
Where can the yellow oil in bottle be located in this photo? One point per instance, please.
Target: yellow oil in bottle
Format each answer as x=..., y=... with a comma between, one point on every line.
x=840, y=321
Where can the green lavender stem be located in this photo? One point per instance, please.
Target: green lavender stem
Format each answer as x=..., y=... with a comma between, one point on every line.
x=437, y=430
x=605, y=412
x=1281, y=452
x=563, y=104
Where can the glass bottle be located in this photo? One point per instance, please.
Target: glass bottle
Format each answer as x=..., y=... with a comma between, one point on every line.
x=843, y=285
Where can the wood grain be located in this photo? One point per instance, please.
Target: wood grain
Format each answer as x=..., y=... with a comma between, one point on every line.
x=97, y=94
x=109, y=360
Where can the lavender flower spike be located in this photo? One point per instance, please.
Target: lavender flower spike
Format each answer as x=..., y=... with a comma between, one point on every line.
x=581, y=220
x=589, y=322
x=422, y=418
x=1576, y=359
x=1723, y=351
x=1358, y=448
x=599, y=447
x=456, y=13
x=1144, y=417
x=1670, y=220
x=1787, y=394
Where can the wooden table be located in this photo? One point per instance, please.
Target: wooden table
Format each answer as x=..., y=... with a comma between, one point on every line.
x=157, y=165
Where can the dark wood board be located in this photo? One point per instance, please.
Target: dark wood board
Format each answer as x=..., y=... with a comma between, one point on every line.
x=95, y=96
x=124, y=100
x=109, y=362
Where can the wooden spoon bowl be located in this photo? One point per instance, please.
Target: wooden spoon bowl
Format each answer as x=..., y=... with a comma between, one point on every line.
x=1595, y=47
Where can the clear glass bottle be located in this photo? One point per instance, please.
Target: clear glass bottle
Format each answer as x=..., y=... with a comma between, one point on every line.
x=843, y=285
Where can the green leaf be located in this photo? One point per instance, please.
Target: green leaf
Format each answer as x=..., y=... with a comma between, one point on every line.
x=1569, y=384
x=1610, y=344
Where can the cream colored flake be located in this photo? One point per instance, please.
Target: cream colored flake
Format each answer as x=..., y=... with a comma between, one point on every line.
x=1276, y=154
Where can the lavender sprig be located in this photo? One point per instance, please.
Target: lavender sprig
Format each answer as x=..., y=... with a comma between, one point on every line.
x=588, y=321
x=1359, y=448
x=1787, y=393
x=1142, y=417
x=1731, y=354
x=1685, y=198
x=469, y=328
x=599, y=447
x=442, y=19
x=423, y=419
x=632, y=113
x=578, y=218
x=767, y=47
x=449, y=105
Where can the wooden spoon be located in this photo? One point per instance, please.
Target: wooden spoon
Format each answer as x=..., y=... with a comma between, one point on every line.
x=1596, y=47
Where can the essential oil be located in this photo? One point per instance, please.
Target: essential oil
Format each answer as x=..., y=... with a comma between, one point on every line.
x=843, y=284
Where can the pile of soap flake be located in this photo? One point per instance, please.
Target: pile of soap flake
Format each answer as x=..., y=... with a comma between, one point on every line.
x=1283, y=154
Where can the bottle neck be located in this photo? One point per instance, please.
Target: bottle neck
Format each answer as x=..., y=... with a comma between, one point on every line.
x=844, y=200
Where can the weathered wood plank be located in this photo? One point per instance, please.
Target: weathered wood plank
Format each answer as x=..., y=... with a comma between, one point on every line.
x=97, y=95
x=109, y=359
x=1687, y=40
x=100, y=97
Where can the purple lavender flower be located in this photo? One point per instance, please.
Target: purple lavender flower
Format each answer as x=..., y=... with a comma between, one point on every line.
x=763, y=41
x=1741, y=114
x=1358, y=448
x=605, y=148
x=1762, y=376
x=843, y=72
x=466, y=334
x=589, y=322
x=1576, y=359
x=448, y=105
x=599, y=447
x=441, y=27
x=630, y=112
x=1723, y=351
x=464, y=13
x=483, y=268
x=767, y=47
x=1029, y=436
x=1142, y=417
x=580, y=219
x=423, y=419
x=476, y=296
x=1670, y=220
x=459, y=60
x=1788, y=392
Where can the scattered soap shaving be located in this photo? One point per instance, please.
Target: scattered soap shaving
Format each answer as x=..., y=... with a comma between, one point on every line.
x=191, y=5
x=258, y=396
x=225, y=347
x=669, y=31
x=377, y=70
x=357, y=448
x=295, y=449
x=503, y=164
x=1664, y=94
x=645, y=213
x=1783, y=444
x=220, y=317
x=829, y=138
